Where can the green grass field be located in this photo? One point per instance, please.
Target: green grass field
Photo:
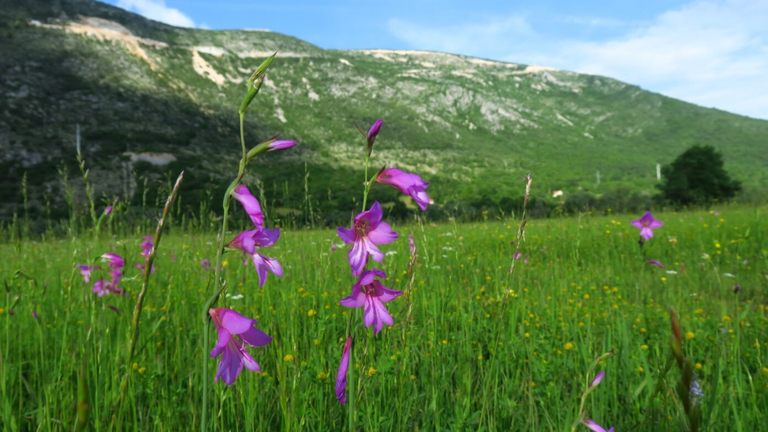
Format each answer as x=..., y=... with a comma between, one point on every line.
x=479, y=350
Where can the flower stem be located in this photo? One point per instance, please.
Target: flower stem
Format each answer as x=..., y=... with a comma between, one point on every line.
x=135, y=321
x=218, y=285
x=366, y=181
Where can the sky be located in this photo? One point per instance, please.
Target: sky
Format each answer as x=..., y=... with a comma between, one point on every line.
x=712, y=53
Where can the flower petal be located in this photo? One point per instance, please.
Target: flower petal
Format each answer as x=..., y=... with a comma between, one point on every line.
x=266, y=237
x=387, y=294
x=341, y=375
x=255, y=337
x=221, y=342
x=265, y=264
x=233, y=322
x=346, y=235
x=281, y=145
x=374, y=130
x=373, y=250
x=382, y=234
x=592, y=425
x=358, y=257
x=372, y=217
x=230, y=365
x=421, y=197
x=248, y=361
x=354, y=300
x=244, y=241
x=250, y=204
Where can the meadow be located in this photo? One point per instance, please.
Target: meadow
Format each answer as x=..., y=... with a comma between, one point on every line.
x=473, y=347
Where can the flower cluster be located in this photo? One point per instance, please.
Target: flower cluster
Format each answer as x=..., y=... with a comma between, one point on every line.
x=102, y=287
x=250, y=241
x=367, y=233
x=236, y=331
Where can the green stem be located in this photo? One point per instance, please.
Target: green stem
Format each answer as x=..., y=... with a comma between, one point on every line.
x=218, y=285
x=366, y=181
x=135, y=321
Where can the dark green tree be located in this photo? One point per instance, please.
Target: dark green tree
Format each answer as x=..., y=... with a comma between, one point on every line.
x=697, y=176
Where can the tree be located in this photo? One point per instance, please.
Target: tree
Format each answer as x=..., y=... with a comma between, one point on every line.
x=697, y=176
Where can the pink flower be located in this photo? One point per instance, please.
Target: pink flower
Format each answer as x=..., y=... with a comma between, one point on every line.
x=235, y=331
x=373, y=132
x=107, y=210
x=101, y=288
x=250, y=241
x=598, y=378
x=146, y=246
x=281, y=145
x=85, y=272
x=646, y=225
x=367, y=231
x=655, y=263
x=407, y=183
x=371, y=295
x=116, y=263
x=592, y=425
x=341, y=375
x=250, y=204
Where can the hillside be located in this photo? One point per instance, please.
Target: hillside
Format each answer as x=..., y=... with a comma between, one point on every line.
x=151, y=99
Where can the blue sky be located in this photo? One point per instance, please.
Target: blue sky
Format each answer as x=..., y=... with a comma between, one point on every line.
x=710, y=52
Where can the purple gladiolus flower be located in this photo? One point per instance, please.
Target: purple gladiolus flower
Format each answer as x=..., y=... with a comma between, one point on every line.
x=373, y=132
x=341, y=375
x=235, y=331
x=655, y=263
x=281, y=145
x=85, y=272
x=146, y=246
x=250, y=241
x=598, y=378
x=407, y=183
x=107, y=210
x=115, y=261
x=367, y=231
x=250, y=204
x=116, y=264
x=646, y=225
x=371, y=294
x=101, y=287
x=592, y=425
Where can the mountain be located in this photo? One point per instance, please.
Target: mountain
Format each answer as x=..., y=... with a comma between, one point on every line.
x=151, y=99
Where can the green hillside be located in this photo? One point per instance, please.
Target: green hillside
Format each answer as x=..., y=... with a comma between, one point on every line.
x=152, y=99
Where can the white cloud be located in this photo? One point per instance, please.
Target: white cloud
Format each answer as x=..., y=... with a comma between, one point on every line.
x=158, y=11
x=596, y=22
x=464, y=38
x=711, y=52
